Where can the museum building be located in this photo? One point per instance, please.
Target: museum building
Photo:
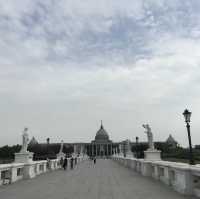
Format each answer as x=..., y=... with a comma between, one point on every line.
x=101, y=146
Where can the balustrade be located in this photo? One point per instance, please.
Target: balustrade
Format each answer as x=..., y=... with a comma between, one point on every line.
x=13, y=172
x=183, y=178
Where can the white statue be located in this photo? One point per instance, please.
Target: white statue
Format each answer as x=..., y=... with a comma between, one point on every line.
x=25, y=140
x=149, y=136
x=75, y=149
x=81, y=149
x=120, y=149
x=127, y=145
x=61, y=146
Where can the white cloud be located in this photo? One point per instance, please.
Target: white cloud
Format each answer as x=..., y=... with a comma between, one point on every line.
x=126, y=62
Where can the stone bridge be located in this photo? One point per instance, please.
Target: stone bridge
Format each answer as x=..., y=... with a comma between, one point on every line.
x=120, y=178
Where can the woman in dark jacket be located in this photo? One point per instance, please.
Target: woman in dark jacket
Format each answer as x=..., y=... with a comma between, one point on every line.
x=65, y=164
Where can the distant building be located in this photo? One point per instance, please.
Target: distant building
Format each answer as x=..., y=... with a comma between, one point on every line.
x=33, y=141
x=171, y=142
x=101, y=145
x=197, y=147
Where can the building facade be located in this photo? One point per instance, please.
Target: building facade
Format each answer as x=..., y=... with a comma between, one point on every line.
x=101, y=146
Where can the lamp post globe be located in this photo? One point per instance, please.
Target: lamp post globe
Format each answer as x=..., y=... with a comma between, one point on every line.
x=187, y=115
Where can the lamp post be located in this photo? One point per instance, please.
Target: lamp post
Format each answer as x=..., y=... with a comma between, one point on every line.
x=48, y=153
x=187, y=114
x=136, y=146
x=124, y=148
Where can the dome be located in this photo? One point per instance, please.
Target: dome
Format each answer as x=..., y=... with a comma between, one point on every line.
x=101, y=134
x=170, y=139
x=33, y=141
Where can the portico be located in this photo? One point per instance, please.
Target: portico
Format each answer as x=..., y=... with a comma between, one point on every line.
x=101, y=149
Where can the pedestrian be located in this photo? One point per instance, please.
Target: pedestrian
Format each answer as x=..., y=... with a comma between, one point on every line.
x=61, y=162
x=65, y=163
x=72, y=162
x=75, y=160
x=94, y=160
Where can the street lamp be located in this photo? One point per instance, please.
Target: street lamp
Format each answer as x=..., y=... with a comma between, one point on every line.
x=124, y=148
x=137, y=146
x=187, y=114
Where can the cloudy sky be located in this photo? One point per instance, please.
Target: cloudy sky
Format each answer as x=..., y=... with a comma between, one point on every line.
x=67, y=64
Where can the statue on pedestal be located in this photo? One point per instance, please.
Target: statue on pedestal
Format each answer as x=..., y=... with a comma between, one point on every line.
x=120, y=149
x=151, y=153
x=61, y=147
x=127, y=148
x=25, y=141
x=24, y=156
x=61, y=155
x=149, y=136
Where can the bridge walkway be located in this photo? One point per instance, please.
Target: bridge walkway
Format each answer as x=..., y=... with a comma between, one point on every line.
x=105, y=180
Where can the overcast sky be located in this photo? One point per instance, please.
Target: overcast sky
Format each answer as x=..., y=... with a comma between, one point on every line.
x=67, y=64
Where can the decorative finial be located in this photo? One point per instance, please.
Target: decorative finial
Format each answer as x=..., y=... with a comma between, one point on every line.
x=101, y=124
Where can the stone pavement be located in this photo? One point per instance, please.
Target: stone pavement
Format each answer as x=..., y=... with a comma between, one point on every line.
x=105, y=180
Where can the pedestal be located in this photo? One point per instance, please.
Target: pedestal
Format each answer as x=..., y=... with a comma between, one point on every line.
x=129, y=154
x=24, y=157
x=152, y=155
x=121, y=155
x=29, y=170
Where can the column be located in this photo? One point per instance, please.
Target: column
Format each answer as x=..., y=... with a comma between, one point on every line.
x=92, y=150
x=107, y=150
x=96, y=149
x=111, y=149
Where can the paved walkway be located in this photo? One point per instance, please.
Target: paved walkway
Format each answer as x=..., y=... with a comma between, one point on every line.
x=105, y=180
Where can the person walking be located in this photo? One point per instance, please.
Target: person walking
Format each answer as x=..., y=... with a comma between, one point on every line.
x=61, y=161
x=72, y=162
x=65, y=163
x=94, y=160
x=75, y=160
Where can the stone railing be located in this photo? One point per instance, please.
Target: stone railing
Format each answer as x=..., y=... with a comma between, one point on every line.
x=182, y=177
x=13, y=172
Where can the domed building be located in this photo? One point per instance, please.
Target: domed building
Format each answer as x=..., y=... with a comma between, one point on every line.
x=101, y=145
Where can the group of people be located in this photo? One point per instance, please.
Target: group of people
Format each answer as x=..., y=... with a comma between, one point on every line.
x=94, y=159
x=64, y=162
x=72, y=161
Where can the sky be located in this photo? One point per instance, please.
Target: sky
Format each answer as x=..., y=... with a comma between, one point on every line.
x=65, y=65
